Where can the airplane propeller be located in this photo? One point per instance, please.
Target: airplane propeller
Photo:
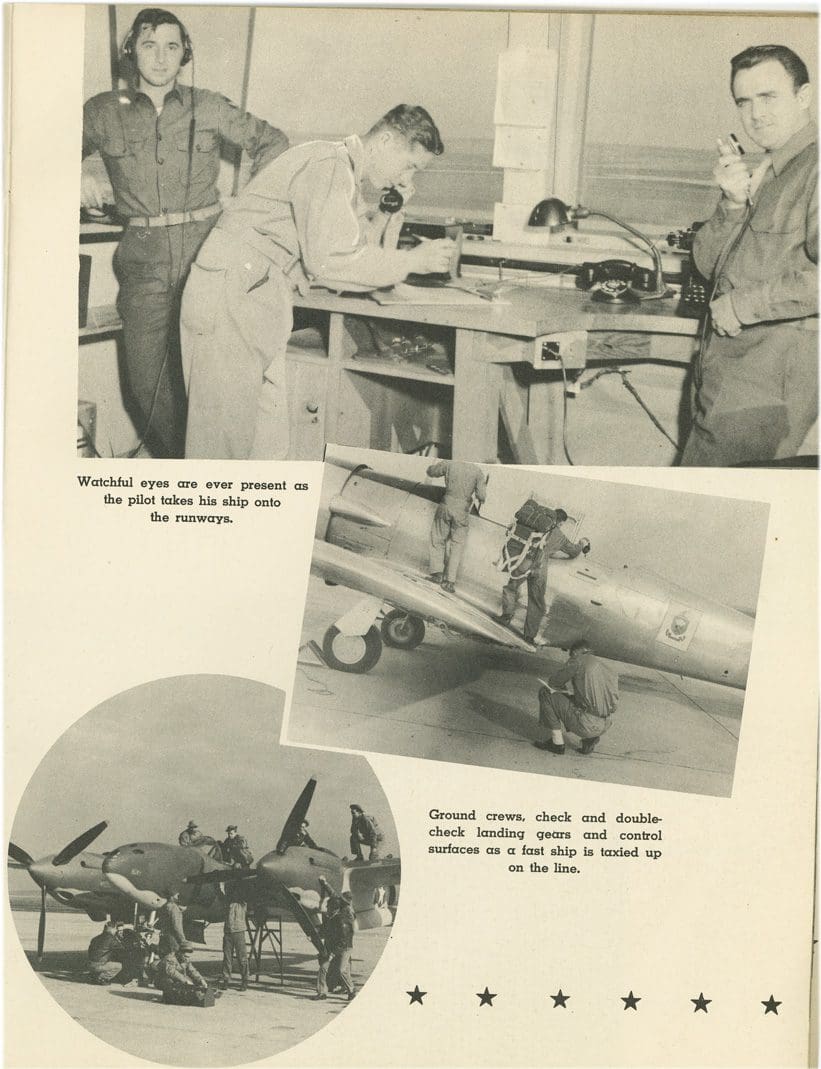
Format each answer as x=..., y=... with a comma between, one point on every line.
x=38, y=870
x=296, y=816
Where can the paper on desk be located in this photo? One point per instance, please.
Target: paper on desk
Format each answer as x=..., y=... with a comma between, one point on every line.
x=402, y=293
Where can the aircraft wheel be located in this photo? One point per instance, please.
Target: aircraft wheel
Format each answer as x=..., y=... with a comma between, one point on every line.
x=352, y=653
x=402, y=630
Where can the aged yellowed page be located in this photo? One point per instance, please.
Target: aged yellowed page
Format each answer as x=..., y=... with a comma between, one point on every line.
x=161, y=671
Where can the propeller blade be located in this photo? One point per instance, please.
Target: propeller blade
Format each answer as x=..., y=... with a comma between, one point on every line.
x=76, y=846
x=222, y=876
x=296, y=816
x=286, y=899
x=41, y=930
x=16, y=853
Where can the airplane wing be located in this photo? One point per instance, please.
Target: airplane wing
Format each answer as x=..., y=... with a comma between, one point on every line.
x=359, y=878
x=408, y=591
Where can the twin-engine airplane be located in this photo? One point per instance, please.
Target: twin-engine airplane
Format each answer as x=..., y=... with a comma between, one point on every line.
x=373, y=535
x=141, y=877
x=283, y=882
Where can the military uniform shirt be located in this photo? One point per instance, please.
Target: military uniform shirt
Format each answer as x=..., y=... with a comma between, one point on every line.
x=146, y=155
x=462, y=481
x=595, y=684
x=773, y=273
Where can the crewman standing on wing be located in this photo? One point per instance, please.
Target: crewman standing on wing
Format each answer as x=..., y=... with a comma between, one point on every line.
x=464, y=483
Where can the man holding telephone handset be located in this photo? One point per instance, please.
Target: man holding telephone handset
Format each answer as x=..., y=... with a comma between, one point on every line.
x=756, y=378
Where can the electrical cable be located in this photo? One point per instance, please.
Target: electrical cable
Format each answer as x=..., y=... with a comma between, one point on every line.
x=623, y=372
x=564, y=412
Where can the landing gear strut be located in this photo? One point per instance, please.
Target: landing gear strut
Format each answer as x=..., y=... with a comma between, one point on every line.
x=402, y=630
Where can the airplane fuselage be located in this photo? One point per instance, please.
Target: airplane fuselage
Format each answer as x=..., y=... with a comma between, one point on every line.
x=626, y=614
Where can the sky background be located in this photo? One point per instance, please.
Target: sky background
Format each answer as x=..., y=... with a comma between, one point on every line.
x=713, y=546
x=191, y=747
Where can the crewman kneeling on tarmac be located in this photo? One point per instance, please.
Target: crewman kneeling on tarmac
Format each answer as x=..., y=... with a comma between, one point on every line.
x=105, y=955
x=589, y=712
x=179, y=981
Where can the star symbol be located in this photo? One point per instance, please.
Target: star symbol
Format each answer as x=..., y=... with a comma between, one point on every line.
x=771, y=1005
x=416, y=995
x=700, y=1002
x=630, y=1001
x=559, y=1000
x=485, y=997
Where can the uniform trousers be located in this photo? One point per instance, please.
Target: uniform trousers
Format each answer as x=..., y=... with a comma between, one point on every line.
x=233, y=943
x=757, y=399
x=536, y=591
x=448, y=532
x=559, y=712
x=236, y=319
x=152, y=265
x=103, y=972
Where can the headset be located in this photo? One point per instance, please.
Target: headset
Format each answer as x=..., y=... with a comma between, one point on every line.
x=153, y=17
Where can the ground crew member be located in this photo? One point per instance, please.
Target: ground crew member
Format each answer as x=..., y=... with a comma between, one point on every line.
x=170, y=925
x=756, y=378
x=233, y=937
x=192, y=836
x=302, y=838
x=105, y=955
x=588, y=713
x=235, y=849
x=337, y=938
x=301, y=222
x=365, y=831
x=161, y=144
x=463, y=484
x=533, y=570
x=179, y=981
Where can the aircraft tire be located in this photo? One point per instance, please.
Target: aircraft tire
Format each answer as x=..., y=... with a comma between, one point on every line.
x=352, y=653
x=402, y=630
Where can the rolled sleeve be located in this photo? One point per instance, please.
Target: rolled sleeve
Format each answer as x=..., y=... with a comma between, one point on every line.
x=258, y=138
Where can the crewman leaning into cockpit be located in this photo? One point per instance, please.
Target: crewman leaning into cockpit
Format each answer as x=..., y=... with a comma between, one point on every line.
x=464, y=484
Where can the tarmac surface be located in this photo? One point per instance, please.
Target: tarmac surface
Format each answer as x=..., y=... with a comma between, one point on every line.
x=453, y=699
x=241, y=1027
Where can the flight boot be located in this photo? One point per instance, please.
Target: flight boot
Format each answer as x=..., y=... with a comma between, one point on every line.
x=448, y=587
x=549, y=744
x=589, y=745
x=435, y=577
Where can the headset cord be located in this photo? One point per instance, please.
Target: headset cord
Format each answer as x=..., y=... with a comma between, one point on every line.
x=175, y=310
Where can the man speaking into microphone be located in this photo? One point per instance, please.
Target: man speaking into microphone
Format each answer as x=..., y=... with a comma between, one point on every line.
x=756, y=380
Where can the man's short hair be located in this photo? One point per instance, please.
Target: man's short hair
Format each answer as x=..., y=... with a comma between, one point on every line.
x=110, y=926
x=561, y=515
x=751, y=57
x=231, y=827
x=414, y=124
x=152, y=17
x=356, y=808
x=580, y=644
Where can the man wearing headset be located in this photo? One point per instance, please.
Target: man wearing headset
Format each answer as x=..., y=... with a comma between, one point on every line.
x=160, y=143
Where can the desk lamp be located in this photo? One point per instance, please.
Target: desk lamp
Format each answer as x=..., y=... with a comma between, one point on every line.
x=556, y=215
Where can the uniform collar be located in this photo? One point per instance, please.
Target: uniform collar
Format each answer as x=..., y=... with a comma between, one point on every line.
x=356, y=150
x=797, y=143
x=177, y=93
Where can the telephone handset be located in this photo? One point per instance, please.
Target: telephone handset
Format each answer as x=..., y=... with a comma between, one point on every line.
x=615, y=280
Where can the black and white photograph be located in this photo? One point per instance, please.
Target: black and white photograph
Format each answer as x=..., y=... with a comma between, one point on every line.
x=511, y=248
x=530, y=621
x=169, y=855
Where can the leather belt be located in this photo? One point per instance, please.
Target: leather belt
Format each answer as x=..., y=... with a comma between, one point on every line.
x=176, y=218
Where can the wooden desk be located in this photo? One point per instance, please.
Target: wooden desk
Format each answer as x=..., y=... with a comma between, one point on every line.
x=535, y=327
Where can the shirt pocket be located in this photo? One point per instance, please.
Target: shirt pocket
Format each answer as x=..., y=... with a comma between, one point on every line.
x=782, y=215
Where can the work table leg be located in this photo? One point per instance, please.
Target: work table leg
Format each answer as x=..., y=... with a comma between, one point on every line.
x=476, y=392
